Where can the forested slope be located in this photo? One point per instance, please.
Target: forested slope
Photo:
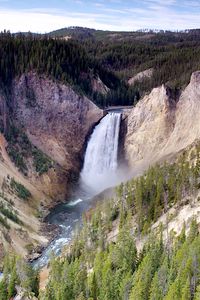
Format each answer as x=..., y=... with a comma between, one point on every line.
x=173, y=57
x=63, y=61
x=98, y=267
x=167, y=267
x=114, y=57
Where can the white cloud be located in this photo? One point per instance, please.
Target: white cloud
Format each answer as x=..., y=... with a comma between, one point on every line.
x=46, y=20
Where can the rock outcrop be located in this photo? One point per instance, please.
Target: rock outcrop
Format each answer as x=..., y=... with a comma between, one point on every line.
x=160, y=126
x=57, y=120
x=141, y=76
x=99, y=86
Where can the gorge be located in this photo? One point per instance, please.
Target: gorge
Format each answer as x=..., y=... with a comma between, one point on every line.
x=151, y=128
x=58, y=125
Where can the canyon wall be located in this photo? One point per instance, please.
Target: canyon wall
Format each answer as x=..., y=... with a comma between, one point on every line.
x=57, y=120
x=160, y=126
x=39, y=114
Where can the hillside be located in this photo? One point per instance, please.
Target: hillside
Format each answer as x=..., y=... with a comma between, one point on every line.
x=139, y=230
x=172, y=56
x=20, y=226
x=111, y=57
x=89, y=33
x=63, y=61
x=128, y=53
x=120, y=56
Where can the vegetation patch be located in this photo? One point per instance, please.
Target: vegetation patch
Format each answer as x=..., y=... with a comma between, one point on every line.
x=18, y=147
x=18, y=273
x=10, y=214
x=20, y=150
x=18, y=159
x=4, y=222
x=42, y=162
x=20, y=190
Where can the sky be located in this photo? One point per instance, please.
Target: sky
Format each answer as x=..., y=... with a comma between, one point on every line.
x=43, y=16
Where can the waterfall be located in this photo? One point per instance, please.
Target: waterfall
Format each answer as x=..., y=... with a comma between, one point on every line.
x=100, y=163
x=100, y=171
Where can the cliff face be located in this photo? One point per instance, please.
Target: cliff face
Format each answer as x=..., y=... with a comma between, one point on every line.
x=187, y=127
x=160, y=126
x=57, y=121
x=21, y=231
x=39, y=117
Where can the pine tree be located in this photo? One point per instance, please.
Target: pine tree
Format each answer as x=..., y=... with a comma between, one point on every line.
x=3, y=290
x=12, y=283
x=186, y=294
x=197, y=294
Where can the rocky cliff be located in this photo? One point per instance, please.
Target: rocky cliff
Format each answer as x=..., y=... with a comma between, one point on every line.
x=56, y=120
x=160, y=126
x=44, y=126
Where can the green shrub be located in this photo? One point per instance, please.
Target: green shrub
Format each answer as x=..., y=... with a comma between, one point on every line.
x=3, y=221
x=21, y=191
x=42, y=163
x=18, y=159
x=10, y=214
x=20, y=150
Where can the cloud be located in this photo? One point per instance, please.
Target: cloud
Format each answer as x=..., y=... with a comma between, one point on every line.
x=42, y=22
x=162, y=2
x=156, y=14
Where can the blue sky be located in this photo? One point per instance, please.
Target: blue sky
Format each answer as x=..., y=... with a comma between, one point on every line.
x=47, y=15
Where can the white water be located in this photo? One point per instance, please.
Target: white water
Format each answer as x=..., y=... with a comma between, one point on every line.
x=75, y=202
x=100, y=163
x=100, y=171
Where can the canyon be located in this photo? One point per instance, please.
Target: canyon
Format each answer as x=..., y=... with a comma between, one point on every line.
x=58, y=121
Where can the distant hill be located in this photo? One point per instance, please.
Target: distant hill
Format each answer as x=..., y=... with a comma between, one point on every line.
x=144, y=34
x=75, y=32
